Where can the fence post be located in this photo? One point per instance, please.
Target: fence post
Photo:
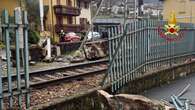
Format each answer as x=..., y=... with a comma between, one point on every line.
x=1, y=37
x=19, y=42
x=1, y=86
x=26, y=61
x=8, y=54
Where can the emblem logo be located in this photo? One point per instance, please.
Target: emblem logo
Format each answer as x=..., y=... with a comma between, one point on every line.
x=170, y=31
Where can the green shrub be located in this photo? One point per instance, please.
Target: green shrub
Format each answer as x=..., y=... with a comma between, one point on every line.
x=34, y=37
x=2, y=45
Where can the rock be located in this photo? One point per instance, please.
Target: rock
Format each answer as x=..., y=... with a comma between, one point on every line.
x=77, y=57
x=95, y=50
x=3, y=54
x=32, y=63
x=59, y=60
x=130, y=102
x=77, y=60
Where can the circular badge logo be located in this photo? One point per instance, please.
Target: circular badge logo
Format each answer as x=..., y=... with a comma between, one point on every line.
x=170, y=35
x=170, y=31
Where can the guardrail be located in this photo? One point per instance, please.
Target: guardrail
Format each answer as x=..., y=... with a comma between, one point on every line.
x=139, y=47
x=19, y=30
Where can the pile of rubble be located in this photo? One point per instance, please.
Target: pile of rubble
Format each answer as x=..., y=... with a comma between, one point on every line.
x=131, y=102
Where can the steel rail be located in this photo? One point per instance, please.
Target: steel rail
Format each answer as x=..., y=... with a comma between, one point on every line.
x=4, y=78
x=64, y=78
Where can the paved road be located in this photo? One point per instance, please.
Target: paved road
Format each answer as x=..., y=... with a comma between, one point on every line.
x=174, y=88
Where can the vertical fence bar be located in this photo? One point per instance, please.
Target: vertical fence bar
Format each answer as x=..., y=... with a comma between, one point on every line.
x=133, y=40
x=8, y=54
x=1, y=85
x=143, y=44
x=150, y=44
x=1, y=72
x=117, y=61
x=130, y=51
x=136, y=47
x=26, y=61
x=18, y=15
x=139, y=46
x=116, y=64
x=110, y=56
x=153, y=42
x=125, y=58
x=157, y=42
x=112, y=48
x=146, y=43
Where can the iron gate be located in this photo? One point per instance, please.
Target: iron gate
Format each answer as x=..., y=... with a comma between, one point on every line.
x=11, y=98
x=138, y=48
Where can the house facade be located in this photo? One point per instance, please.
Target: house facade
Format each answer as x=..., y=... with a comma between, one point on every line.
x=153, y=10
x=84, y=19
x=184, y=9
x=9, y=5
x=67, y=15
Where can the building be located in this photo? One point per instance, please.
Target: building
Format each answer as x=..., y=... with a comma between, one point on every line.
x=184, y=9
x=67, y=15
x=116, y=8
x=84, y=19
x=152, y=10
x=9, y=5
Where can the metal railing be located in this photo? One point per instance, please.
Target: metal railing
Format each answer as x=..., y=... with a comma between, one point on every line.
x=20, y=98
x=139, y=48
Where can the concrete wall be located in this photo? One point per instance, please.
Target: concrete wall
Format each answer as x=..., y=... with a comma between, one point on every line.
x=183, y=8
x=90, y=100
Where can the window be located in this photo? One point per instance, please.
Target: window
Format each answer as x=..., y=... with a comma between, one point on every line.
x=59, y=20
x=69, y=19
x=182, y=12
x=58, y=2
x=79, y=4
x=86, y=5
x=69, y=2
x=182, y=5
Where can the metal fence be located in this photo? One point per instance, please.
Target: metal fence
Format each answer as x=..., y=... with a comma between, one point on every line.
x=11, y=98
x=138, y=48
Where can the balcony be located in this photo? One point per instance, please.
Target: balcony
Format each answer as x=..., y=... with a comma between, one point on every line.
x=68, y=28
x=66, y=10
x=85, y=0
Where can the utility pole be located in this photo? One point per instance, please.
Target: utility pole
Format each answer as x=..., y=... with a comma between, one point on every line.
x=41, y=14
x=51, y=17
x=46, y=37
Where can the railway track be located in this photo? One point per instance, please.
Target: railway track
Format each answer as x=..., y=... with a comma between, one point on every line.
x=57, y=75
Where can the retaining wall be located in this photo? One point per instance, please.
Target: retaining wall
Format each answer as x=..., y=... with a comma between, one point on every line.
x=90, y=101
